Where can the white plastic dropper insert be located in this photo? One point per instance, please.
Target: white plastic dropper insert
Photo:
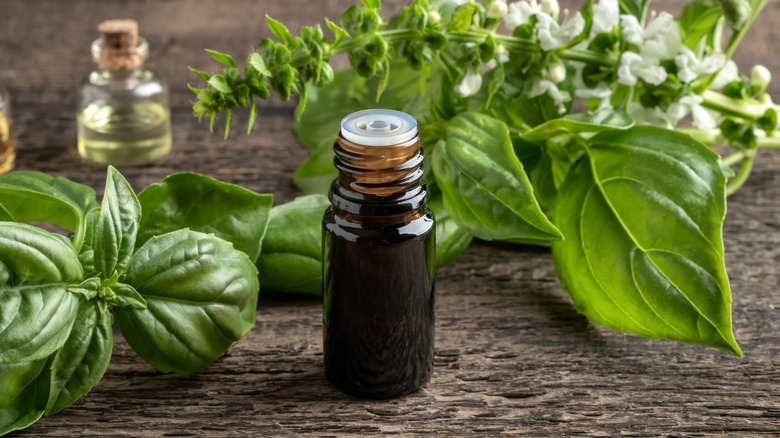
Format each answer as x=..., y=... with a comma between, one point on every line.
x=378, y=127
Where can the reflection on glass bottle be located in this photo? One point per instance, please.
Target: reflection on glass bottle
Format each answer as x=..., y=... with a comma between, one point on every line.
x=7, y=154
x=123, y=113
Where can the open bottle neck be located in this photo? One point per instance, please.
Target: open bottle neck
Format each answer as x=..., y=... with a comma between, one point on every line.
x=378, y=180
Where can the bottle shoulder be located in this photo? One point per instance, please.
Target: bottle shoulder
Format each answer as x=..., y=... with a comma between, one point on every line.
x=148, y=80
x=353, y=228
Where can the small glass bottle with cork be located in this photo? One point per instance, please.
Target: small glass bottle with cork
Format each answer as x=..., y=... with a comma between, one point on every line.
x=123, y=108
x=7, y=153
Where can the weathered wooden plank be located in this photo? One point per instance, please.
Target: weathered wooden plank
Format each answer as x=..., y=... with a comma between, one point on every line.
x=513, y=356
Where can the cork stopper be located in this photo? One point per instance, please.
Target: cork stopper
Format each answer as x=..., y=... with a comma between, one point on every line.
x=120, y=49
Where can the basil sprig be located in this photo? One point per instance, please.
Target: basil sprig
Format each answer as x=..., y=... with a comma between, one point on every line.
x=181, y=297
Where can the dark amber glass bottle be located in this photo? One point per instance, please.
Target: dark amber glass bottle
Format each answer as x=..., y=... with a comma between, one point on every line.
x=378, y=252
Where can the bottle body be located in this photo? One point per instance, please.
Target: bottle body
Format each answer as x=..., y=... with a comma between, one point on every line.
x=123, y=114
x=7, y=151
x=378, y=311
x=378, y=260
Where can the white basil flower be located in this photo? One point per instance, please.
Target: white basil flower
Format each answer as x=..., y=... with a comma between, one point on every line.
x=502, y=58
x=727, y=74
x=601, y=91
x=632, y=67
x=518, y=13
x=689, y=67
x=551, y=8
x=661, y=38
x=605, y=16
x=497, y=9
x=631, y=29
x=551, y=34
x=470, y=84
x=650, y=116
x=702, y=119
x=541, y=86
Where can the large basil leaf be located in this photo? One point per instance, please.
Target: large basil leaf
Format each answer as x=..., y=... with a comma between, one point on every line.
x=189, y=200
x=316, y=173
x=83, y=359
x=540, y=169
x=484, y=185
x=5, y=215
x=196, y=287
x=36, y=311
x=117, y=225
x=15, y=377
x=292, y=252
x=642, y=215
x=28, y=405
x=35, y=196
x=604, y=120
x=451, y=238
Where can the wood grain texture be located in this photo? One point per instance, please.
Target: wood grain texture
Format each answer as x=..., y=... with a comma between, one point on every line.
x=513, y=358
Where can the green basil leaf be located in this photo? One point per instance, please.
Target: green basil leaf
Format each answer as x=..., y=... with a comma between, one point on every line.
x=484, y=185
x=316, y=173
x=220, y=84
x=81, y=362
x=28, y=405
x=462, y=17
x=292, y=251
x=257, y=61
x=87, y=251
x=338, y=32
x=203, y=75
x=36, y=310
x=637, y=8
x=604, y=120
x=15, y=377
x=126, y=295
x=451, y=238
x=5, y=215
x=643, y=215
x=223, y=58
x=35, y=196
x=190, y=200
x=197, y=287
x=117, y=225
x=89, y=288
x=699, y=19
x=586, y=11
x=278, y=29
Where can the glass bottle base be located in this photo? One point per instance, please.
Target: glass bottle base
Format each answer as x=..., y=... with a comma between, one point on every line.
x=125, y=153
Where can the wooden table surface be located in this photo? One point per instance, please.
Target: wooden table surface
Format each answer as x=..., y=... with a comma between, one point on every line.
x=513, y=357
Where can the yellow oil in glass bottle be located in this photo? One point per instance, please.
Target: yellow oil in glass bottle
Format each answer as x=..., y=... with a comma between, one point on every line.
x=123, y=112
x=378, y=252
x=7, y=153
